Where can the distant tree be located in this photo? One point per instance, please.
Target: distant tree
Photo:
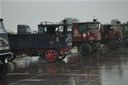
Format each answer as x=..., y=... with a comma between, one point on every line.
x=115, y=21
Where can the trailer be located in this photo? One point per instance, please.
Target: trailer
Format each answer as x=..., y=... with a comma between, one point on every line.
x=51, y=42
x=5, y=53
x=86, y=36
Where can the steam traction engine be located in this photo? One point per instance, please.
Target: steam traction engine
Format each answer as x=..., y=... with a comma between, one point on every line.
x=51, y=42
x=86, y=36
x=111, y=35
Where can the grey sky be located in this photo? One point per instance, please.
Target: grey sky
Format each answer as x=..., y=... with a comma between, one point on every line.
x=33, y=12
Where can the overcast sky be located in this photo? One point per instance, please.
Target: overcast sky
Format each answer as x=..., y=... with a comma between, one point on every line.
x=32, y=12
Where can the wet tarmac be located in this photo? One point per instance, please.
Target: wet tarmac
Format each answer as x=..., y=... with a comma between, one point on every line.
x=106, y=67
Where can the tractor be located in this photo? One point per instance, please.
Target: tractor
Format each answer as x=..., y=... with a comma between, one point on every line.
x=86, y=36
x=111, y=35
x=52, y=41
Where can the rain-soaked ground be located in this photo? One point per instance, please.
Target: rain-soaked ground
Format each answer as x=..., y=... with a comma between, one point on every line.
x=106, y=67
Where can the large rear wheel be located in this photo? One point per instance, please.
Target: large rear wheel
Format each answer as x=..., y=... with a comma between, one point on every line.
x=50, y=55
x=85, y=49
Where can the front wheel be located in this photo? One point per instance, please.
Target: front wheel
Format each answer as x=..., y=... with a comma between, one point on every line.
x=3, y=68
x=50, y=55
x=85, y=49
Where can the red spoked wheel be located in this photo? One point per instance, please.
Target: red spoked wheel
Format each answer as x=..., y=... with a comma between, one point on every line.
x=51, y=55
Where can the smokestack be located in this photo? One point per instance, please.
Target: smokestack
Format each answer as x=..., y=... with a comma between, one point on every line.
x=95, y=20
x=65, y=27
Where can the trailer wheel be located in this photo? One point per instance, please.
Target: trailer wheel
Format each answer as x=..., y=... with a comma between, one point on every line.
x=51, y=55
x=3, y=68
x=85, y=49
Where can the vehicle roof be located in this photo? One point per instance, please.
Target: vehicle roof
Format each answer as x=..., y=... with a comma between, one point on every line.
x=54, y=24
x=110, y=24
x=87, y=23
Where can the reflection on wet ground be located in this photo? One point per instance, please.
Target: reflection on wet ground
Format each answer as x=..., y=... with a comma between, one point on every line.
x=101, y=68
